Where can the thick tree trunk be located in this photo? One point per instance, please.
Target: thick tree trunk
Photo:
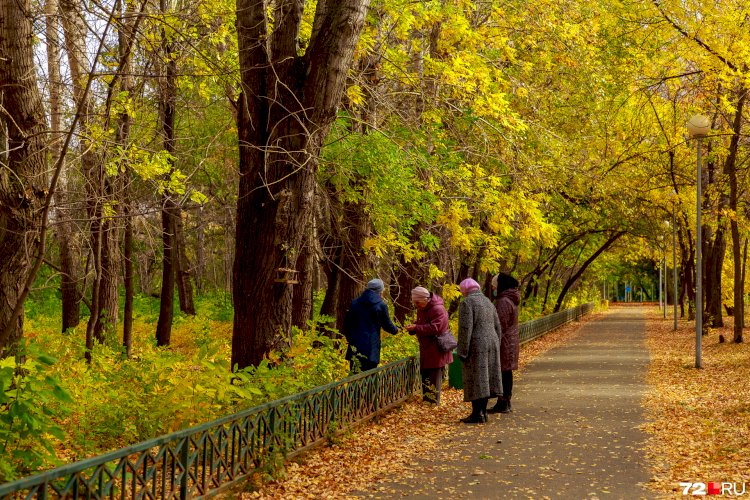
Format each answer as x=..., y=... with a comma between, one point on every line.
x=286, y=107
x=331, y=268
x=354, y=267
x=23, y=183
x=66, y=231
x=302, y=301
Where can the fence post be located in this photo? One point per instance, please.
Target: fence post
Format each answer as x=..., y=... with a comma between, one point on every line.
x=184, y=457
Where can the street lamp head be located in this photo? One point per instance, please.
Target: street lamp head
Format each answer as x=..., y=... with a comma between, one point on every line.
x=698, y=126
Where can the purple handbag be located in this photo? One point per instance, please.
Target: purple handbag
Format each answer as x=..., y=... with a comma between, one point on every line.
x=446, y=342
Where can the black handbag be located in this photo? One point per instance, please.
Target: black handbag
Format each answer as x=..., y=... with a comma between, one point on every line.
x=446, y=342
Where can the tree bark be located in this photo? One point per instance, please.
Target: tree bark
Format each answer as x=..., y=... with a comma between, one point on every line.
x=354, y=267
x=730, y=168
x=714, y=245
x=169, y=210
x=23, y=180
x=125, y=39
x=286, y=107
x=302, y=301
x=183, y=270
x=200, y=255
x=66, y=231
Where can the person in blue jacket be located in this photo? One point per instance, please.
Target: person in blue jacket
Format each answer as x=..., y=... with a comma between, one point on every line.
x=362, y=323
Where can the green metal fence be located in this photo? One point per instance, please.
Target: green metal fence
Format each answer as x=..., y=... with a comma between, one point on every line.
x=539, y=326
x=208, y=458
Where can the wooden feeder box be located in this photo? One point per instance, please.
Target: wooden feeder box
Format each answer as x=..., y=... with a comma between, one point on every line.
x=286, y=275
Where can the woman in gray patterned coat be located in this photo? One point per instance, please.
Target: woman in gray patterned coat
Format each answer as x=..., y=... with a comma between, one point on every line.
x=479, y=350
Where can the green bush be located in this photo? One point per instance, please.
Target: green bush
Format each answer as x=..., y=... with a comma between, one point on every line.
x=31, y=398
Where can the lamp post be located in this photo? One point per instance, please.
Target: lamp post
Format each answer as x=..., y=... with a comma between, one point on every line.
x=674, y=263
x=660, y=278
x=666, y=277
x=666, y=288
x=698, y=127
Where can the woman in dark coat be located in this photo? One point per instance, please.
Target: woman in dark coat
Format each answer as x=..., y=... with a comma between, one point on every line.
x=432, y=320
x=479, y=350
x=362, y=323
x=506, y=305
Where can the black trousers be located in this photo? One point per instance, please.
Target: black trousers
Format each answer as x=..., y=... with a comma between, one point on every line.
x=479, y=406
x=507, y=378
x=432, y=381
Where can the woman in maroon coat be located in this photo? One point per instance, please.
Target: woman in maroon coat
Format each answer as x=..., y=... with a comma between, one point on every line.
x=506, y=304
x=432, y=320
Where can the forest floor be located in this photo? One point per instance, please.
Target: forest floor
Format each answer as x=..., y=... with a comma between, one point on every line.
x=698, y=418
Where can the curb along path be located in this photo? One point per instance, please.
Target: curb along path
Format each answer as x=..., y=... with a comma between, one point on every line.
x=574, y=431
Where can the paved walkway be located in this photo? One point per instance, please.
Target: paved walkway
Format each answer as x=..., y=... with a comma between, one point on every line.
x=573, y=432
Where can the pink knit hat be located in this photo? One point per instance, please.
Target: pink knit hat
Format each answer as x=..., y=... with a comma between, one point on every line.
x=468, y=285
x=420, y=293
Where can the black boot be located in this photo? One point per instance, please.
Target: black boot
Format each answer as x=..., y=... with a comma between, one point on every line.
x=502, y=406
x=483, y=408
x=477, y=416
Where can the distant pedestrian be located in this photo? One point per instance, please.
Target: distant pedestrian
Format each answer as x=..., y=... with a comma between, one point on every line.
x=506, y=305
x=479, y=350
x=362, y=323
x=432, y=320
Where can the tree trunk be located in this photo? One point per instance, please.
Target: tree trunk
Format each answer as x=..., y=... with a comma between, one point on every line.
x=184, y=285
x=331, y=268
x=23, y=183
x=354, y=268
x=125, y=40
x=200, y=255
x=302, y=301
x=99, y=188
x=66, y=232
x=127, y=319
x=730, y=168
x=166, y=301
x=713, y=265
x=286, y=107
x=714, y=245
x=169, y=210
x=687, y=269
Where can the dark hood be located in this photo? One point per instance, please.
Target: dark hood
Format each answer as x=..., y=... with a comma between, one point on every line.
x=511, y=294
x=370, y=297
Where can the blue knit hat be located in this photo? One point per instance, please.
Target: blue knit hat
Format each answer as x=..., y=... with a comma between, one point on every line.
x=376, y=285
